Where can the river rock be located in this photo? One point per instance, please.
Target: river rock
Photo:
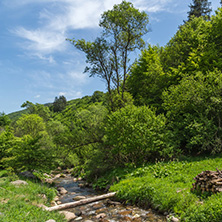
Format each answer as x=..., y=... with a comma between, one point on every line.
x=57, y=176
x=78, y=219
x=78, y=213
x=56, y=198
x=53, y=203
x=62, y=190
x=125, y=212
x=172, y=218
x=97, y=206
x=68, y=215
x=19, y=182
x=79, y=198
x=102, y=215
x=49, y=180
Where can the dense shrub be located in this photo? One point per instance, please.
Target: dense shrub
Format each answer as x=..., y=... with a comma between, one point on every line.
x=137, y=134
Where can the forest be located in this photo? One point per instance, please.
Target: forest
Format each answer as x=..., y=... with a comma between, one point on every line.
x=161, y=114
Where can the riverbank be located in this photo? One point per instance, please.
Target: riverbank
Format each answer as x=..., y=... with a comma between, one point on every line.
x=162, y=186
x=19, y=202
x=166, y=187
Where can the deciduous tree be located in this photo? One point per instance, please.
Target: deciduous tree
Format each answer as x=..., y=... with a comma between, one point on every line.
x=109, y=55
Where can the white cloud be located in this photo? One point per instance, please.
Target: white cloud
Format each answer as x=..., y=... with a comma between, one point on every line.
x=41, y=40
x=57, y=17
x=71, y=94
x=78, y=77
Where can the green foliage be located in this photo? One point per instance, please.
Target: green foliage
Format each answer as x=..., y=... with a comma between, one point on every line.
x=183, y=54
x=4, y=120
x=210, y=210
x=31, y=124
x=136, y=135
x=84, y=129
x=59, y=104
x=32, y=150
x=147, y=79
x=194, y=110
x=39, y=109
x=109, y=55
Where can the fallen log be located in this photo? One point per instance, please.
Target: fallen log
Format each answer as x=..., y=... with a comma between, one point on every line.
x=80, y=202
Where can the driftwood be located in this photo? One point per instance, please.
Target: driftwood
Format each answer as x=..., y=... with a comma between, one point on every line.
x=80, y=202
x=208, y=181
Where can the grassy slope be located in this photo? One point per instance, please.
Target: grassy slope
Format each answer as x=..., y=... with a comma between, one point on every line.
x=166, y=187
x=18, y=203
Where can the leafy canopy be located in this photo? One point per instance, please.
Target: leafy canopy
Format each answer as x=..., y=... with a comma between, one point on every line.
x=109, y=55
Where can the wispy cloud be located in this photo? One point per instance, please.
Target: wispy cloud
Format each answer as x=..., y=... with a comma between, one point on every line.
x=57, y=17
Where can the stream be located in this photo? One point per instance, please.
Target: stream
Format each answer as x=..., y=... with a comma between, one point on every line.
x=104, y=210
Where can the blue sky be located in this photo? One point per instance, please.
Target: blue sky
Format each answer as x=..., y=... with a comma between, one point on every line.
x=37, y=63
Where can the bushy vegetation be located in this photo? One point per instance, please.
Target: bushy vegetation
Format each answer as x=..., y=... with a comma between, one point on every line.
x=166, y=105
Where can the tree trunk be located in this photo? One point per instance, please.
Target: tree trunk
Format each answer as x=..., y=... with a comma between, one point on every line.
x=80, y=202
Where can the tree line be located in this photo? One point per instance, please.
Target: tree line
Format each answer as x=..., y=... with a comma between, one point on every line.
x=165, y=104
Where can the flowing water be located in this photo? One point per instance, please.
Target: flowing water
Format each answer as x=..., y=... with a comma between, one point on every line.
x=104, y=210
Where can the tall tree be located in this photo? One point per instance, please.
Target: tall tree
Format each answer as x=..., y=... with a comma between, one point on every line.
x=200, y=8
x=59, y=104
x=109, y=55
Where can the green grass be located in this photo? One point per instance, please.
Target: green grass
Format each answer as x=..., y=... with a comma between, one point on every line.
x=19, y=203
x=165, y=186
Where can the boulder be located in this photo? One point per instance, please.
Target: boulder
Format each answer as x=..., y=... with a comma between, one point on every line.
x=62, y=190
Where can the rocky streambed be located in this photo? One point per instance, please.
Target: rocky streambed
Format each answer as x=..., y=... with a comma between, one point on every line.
x=71, y=189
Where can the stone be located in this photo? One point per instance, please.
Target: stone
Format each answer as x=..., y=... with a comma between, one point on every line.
x=51, y=220
x=58, y=202
x=56, y=198
x=78, y=218
x=78, y=213
x=79, y=198
x=102, y=215
x=62, y=190
x=57, y=176
x=172, y=218
x=125, y=212
x=68, y=215
x=97, y=206
x=19, y=182
x=53, y=203
x=75, y=179
x=49, y=181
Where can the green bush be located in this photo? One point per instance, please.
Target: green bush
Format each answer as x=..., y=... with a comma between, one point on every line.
x=136, y=135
